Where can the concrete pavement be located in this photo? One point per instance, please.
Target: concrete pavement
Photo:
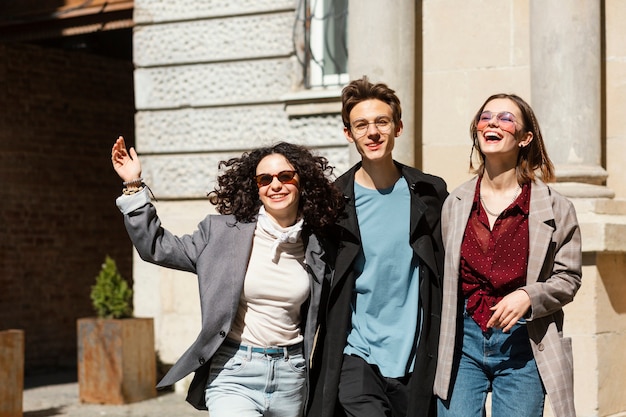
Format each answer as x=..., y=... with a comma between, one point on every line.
x=56, y=395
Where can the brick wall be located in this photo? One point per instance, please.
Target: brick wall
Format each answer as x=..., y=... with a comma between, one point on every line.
x=60, y=112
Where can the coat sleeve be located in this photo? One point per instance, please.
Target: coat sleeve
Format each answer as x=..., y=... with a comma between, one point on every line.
x=561, y=274
x=154, y=243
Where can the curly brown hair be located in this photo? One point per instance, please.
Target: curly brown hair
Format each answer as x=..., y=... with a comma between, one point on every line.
x=530, y=158
x=237, y=193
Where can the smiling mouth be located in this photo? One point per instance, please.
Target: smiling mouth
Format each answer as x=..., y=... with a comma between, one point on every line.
x=492, y=136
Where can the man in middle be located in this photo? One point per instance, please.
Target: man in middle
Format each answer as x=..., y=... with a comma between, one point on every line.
x=379, y=344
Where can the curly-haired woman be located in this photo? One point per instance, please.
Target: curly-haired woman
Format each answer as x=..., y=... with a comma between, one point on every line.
x=261, y=269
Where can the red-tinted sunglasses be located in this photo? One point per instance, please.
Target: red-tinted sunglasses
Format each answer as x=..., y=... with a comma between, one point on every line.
x=285, y=177
x=506, y=120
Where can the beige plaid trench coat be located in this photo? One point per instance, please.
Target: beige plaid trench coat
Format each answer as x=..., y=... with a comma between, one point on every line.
x=553, y=278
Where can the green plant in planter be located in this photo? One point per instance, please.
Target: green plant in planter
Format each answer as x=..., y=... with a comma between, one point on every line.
x=111, y=296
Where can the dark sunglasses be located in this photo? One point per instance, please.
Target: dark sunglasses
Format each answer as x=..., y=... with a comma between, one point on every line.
x=285, y=177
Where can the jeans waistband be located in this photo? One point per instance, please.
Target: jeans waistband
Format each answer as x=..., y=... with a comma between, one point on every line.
x=273, y=350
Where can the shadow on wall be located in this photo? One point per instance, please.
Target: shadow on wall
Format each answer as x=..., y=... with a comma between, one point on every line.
x=612, y=269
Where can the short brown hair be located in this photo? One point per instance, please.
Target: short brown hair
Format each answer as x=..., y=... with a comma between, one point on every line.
x=362, y=90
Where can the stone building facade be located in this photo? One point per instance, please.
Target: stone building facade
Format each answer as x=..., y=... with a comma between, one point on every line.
x=210, y=79
x=215, y=78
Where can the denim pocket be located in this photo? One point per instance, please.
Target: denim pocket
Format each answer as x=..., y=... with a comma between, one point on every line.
x=225, y=362
x=297, y=364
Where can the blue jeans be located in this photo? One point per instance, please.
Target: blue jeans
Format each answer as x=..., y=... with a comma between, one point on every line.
x=502, y=363
x=246, y=384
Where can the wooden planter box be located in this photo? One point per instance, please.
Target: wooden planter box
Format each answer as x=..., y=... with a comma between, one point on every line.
x=116, y=360
x=11, y=373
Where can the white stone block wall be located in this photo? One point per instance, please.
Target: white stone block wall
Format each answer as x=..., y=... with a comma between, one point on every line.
x=161, y=11
x=210, y=82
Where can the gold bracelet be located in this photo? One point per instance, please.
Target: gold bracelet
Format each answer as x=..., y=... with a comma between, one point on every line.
x=132, y=190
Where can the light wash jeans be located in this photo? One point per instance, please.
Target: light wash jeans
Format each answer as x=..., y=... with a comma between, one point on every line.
x=249, y=384
x=502, y=363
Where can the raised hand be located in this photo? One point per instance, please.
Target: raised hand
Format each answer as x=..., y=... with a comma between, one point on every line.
x=126, y=163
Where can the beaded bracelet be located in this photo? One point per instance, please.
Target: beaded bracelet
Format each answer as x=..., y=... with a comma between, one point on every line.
x=135, y=181
x=135, y=189
x=132, y=190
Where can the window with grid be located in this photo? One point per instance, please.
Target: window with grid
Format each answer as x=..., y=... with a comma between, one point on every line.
x=323, y=54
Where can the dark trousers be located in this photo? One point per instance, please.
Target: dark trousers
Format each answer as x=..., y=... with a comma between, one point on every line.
x=364, y=392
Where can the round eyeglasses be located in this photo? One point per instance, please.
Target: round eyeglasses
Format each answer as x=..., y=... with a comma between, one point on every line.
x=285, y=177
x=360, y=126
x=506, y=120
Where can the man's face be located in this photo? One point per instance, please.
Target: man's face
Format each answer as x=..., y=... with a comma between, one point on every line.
x=372, y=130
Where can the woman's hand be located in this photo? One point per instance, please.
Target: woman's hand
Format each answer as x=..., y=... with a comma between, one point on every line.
x=509, y=310
x=126, y=164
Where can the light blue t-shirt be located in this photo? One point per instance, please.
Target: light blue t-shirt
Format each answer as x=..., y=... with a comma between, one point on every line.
x=385, y=301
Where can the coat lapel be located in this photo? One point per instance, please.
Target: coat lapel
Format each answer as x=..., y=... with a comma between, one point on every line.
x=454, y=226
x=347, y=227
x=314, y=253
x=237, y=240
x=540, y=229
x=423, y=218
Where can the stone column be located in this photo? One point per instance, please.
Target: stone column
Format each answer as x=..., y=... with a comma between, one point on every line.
x=381, y=45
x=566, y=74
x=566, y=86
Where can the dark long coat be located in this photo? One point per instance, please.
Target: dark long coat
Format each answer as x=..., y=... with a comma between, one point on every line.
x=427, y=196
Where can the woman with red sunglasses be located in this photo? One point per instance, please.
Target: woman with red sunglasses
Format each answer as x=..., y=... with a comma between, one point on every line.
x=261, y=268
x=513, y=260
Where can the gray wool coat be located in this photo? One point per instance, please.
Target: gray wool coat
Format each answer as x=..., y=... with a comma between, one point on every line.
x=217, y=252
x=554, y=275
